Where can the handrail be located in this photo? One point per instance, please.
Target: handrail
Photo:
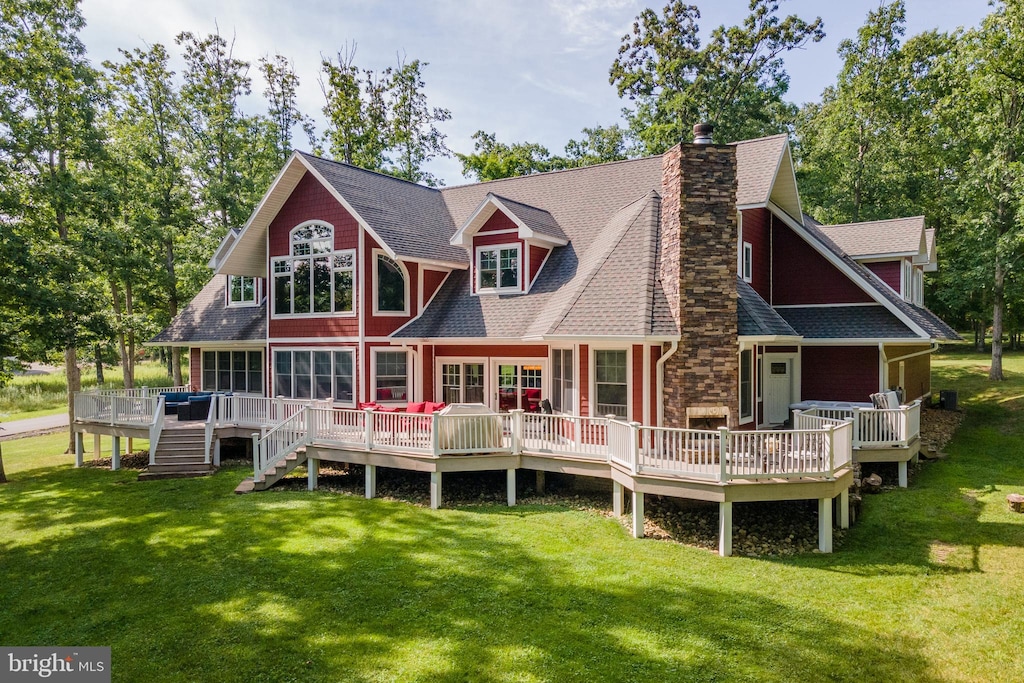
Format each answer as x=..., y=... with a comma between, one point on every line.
x=211, y=421
x=156, y=429
x=279, y=442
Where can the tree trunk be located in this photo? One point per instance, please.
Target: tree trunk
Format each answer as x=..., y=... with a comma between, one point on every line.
x=129, y=302
x=74, y=386
x=998, y=304
x=98, y=356
x=176, y=365
x=115, y=298
x=3, y=475
x=174, y=369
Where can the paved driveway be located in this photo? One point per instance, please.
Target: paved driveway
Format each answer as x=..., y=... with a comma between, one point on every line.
x=33, y=425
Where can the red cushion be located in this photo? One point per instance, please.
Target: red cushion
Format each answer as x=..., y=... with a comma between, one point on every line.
x=384, y=394
x=388, y=409
x=433, y=407
x=415, y=407
x=371, y=406
x=533, y=393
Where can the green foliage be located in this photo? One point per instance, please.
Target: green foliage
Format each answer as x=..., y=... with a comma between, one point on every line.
x=736, y=80
x=356, y=110
x=492, y=159
x=281, y=93
x=414, y=138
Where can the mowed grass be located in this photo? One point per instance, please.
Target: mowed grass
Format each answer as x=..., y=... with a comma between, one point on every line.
x=27, y=396
x=188, y=582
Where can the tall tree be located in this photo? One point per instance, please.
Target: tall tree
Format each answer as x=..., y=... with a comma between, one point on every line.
x=492, y=159
x=282, y=95
x=156, y=206
x=414, y=139
x=736, y=81
x=598, y=145
x=358, y=131
x=48, y=138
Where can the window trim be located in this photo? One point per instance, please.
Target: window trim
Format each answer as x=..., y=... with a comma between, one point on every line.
x=752, y=407
x=499, y=289
x=291, y=258
x=351, y=350
x=592, y=377
x=573, y=408
x=375, y=255
x=410, y=372
x=257, y=290
x=462, y=362
x=748, y=262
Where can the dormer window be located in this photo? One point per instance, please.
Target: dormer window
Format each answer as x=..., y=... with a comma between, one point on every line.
x=498, y=268
x=242, y=291
x=315, y=279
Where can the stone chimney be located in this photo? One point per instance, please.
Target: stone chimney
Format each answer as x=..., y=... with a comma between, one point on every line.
x=698, y=273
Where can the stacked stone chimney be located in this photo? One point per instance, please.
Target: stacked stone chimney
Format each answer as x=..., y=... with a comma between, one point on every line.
x=698, y=273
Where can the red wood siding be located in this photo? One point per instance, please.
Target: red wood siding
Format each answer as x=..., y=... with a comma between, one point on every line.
x=655, y=356
x=838, y=373
x=493, y=351
x=498, y=221
x=637, y=380
x=537, y=256
x=195, y=367
x=888, y=271
x=432, y=280
x=311, y=201
x=428, y=373
x=756, y=230
x=584, y=378
x=800, y=275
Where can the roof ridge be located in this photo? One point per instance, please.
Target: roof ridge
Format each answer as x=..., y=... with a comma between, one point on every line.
x=877, y=220
x=548, y=173
x=366, y=170
x=760, y=139
x=589, y=278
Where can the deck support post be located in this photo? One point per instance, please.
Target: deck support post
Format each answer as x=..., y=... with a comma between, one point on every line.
x=79, y=448
x=115, y=453
x=844, y=509
x=540, y=481
x=371, y=482
x=312, y=473
x=725, y=528
x=618, y=498
x=510, y=486
x=825, y=525
x=216, y=452
x=903, y=474
x=638, y=514
x=435, y=490
x=96, y=446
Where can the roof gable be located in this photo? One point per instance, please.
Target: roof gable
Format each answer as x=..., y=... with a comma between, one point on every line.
x=533, y=223
x=764, y=172
x=891, y=237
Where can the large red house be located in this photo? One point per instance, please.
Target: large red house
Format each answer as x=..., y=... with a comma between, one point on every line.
x=671, y=290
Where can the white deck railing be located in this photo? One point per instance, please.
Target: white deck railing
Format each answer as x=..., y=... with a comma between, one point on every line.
x=818, y=447
x=872, y=427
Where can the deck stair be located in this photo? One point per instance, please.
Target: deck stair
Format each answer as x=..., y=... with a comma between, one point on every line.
x=180, y=453
x=279, y=471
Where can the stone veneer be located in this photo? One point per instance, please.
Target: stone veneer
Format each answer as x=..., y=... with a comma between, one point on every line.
x=698, y=273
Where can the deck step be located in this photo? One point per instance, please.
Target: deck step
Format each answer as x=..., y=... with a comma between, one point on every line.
x=247, y=486
x=176, y=471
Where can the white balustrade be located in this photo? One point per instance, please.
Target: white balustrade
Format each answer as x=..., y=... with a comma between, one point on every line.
x=340, y=426
x=279, y=442
x=690, y=452
x=568, y=435
x=465, y=434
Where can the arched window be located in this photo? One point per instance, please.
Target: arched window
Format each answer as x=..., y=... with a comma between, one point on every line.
x=392, y=288
x=315, y=279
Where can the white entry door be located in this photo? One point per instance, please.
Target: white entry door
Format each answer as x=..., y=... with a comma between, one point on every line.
x=778, y=388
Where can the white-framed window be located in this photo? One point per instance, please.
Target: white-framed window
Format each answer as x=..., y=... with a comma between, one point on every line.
x=907, y=280
x=314, y=279
x=462, y=382
x=748, y=262
x=759, y=376
x=236, y=371
x=563, y=389
x=321, y=374
x=390, y=375
x=746, y=386
x=611, y=382
x=498, y=268
x=918, y=293
x=390, y=286
x=243, y=290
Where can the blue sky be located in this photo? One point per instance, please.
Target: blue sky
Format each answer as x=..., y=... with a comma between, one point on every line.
x=525, y=69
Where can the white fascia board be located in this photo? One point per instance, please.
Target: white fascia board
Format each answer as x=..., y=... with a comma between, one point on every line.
x=758, y=205
x=248, y=345
x=881, y=257
x=437, y=265
x=459, y=239
x=348, y=207
x=770, y=339
x=846, y=270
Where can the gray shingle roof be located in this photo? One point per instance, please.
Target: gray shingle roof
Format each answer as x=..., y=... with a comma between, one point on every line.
x=410, y=218
x=208, y=319
x=893, y=236
x=934, y=326
x=845, y=322
x=756, y=164
x=756, y=318
x=538, y=220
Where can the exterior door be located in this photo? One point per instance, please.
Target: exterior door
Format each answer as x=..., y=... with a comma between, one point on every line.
x=778, y=388
x=518, y=386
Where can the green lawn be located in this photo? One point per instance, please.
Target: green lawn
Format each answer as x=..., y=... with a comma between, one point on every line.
x=188, y=582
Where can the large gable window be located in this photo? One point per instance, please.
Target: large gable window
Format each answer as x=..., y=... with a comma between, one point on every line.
x=391, y=293
x=314, y=279
x=497, y=268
